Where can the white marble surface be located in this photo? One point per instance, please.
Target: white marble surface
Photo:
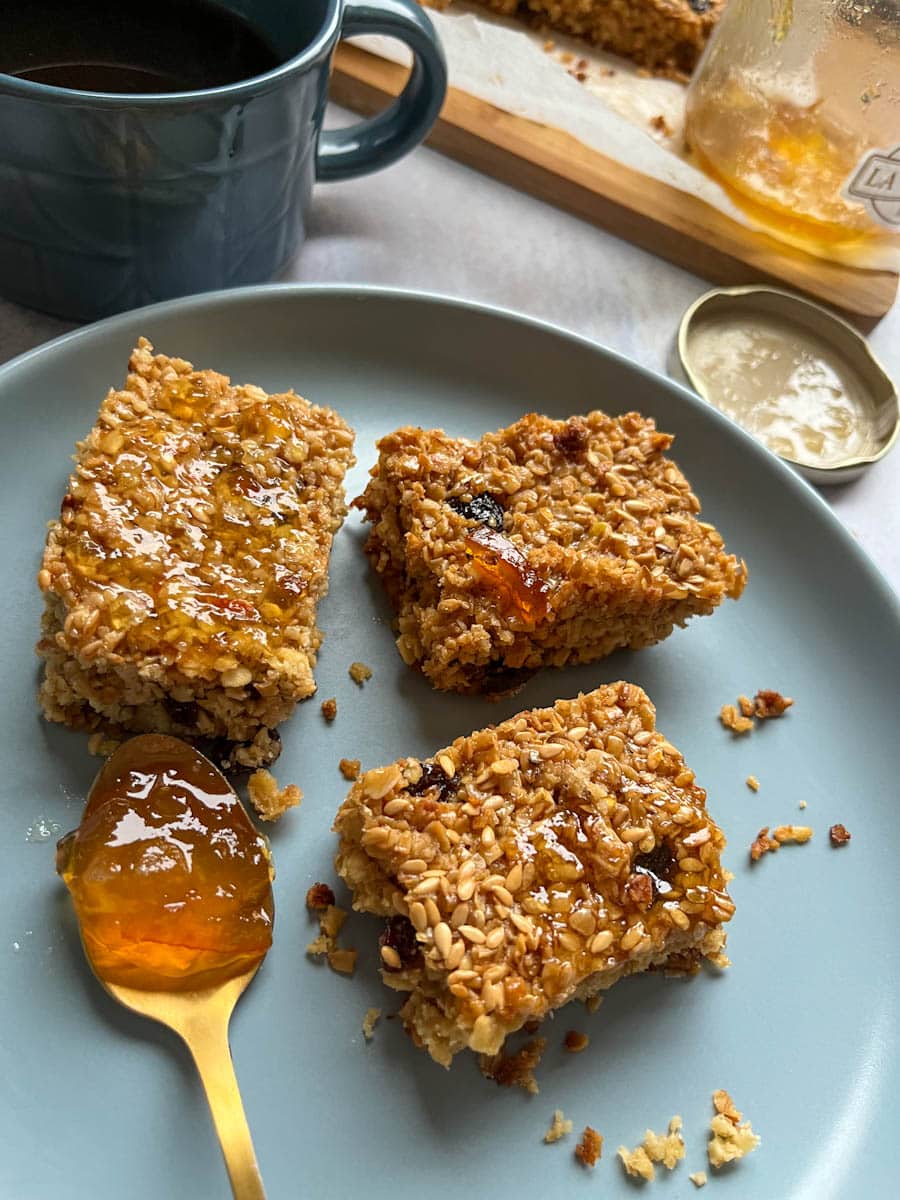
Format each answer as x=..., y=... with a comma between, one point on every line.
x=431, y=224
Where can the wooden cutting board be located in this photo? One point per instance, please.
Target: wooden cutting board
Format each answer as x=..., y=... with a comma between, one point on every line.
x=558, y=168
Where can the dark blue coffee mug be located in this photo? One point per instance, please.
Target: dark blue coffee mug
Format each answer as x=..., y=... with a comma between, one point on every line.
x=111, y=201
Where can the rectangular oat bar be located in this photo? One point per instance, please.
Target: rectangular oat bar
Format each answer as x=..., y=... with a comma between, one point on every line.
x=532, y=863
x=665, y=36
x=182, y=577
x=543, y=544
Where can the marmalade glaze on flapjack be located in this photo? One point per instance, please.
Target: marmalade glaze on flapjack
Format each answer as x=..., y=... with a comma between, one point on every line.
x=171, y=883
x=182, y=535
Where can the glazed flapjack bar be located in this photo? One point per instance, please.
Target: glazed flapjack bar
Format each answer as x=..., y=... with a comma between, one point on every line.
x=665, y=36
x=531, y=863
x=544, y=544
x=182, y=577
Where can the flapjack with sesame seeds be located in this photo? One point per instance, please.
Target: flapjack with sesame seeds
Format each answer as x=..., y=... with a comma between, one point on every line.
x=546, y=858
x=182, y=577
x=543, y=544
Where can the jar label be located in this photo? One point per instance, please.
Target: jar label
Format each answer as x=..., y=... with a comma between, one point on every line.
x=876, y=184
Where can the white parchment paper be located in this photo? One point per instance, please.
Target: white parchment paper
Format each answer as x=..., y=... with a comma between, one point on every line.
x=611, y=110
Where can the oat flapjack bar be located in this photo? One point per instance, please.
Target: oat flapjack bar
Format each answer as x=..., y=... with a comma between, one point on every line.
x=665, y=36
x=543, y=544
x=182, y=577
x=531, y=863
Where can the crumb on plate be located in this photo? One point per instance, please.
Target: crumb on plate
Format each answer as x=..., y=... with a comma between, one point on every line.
x=319, y=896
x=590, y=1148
x=559, y=1127
x=839, y=835
x=359, y=672
x=752, y=783
x=349, y=768
x=575, y=1041
x=731, y=1139
x=698, y=1179
x=792, y=833
x=515, y=1070
x=329, y=708
x=666, y=1148
x=331, y=921
x=763, y=843
x=769, y=703
x=370, y=1020
x=733, y=720
x=637, y=1163
x=270, y=800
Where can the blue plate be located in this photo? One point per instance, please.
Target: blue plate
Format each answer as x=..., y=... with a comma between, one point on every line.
x=802, y=1030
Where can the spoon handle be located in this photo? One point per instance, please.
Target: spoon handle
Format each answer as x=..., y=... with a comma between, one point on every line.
x=207, y=1040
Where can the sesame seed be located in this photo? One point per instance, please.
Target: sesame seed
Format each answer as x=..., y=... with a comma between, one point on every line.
x=443, y=939
x=472, y=933
x=390, y=957
x=601, y=941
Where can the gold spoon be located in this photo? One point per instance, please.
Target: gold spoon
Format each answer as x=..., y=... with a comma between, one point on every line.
x=201, y=1020
x=172, y=885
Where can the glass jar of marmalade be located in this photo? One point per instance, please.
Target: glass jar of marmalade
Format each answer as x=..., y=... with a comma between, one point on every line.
x=795, y=111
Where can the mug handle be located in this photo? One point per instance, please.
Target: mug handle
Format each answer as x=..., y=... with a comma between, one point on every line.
x=386, y=137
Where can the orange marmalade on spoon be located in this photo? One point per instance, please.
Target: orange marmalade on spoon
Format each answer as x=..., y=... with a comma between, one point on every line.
x=171, y=883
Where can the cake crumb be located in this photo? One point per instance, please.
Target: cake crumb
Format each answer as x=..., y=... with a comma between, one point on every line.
x=359, y=672
x=637, y=1163
x=661, y=125
x=666, y=1148
x=733, y=720
x=769, y=703
x=331, y=920
x=590, y=1148
x=349, y=768
x=802, y=804
x=549, y=45
x=780, y=835
x=731, y=1139
x=575, y=1041
x=270, y=800
x=329, y=708
x=515, y=1070
x=698, y=1179
x=752, y=783
x=559, y=1127
x=319, y=946
x=839, y=835
x=762, y=844
x=792, y=833
x=593, y=1002
x=319, y=896
x=566, y=57
x=370, y=1020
